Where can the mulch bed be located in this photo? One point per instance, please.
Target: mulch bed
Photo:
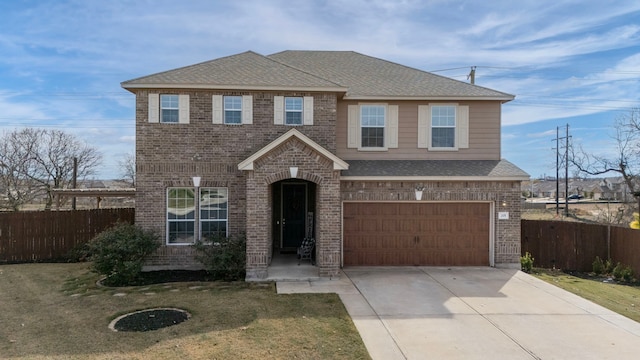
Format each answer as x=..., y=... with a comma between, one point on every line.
x=152, y=319
x=166, y=276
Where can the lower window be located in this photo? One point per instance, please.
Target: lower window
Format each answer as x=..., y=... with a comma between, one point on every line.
x=213, y=213
x=181, y=210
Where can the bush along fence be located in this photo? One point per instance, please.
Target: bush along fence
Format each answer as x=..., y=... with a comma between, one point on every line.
x=51, y=235
x=574, y=246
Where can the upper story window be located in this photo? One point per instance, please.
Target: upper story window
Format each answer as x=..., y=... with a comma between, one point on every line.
x=293, y=111
x=443, y=126
x=372, y=125
x=233, y=109
x=169, y=109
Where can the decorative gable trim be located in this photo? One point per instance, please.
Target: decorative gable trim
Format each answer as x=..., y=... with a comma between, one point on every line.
x=338, y=164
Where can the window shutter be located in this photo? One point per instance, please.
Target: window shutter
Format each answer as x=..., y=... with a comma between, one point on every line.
x=183, y=109
x=392, y=139
x=462, y=124
x=278, y=110
x=424, y=126
x=247, y=109
x=154, y=108
x=307, y=115
x=353, y=125
x=217, y=109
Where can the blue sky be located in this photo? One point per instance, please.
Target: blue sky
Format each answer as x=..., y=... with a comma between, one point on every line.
x=567, y=62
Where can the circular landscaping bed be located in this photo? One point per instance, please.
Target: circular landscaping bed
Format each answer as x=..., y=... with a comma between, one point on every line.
x=150, y=319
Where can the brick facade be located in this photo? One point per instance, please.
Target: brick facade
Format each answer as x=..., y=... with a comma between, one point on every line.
x=274, y=167
x=169, y=155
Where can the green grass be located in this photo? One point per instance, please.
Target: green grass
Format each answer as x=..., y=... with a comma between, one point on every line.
x=56, y=311
x=621, y=298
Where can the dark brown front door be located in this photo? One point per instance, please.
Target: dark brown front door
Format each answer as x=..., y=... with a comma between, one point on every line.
x=294, y=210
x=435, y=234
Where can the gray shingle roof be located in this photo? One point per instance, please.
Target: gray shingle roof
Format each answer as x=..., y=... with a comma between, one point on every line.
x=247, y=69
x=367, y=76
x=360, y=76
x=435, y=168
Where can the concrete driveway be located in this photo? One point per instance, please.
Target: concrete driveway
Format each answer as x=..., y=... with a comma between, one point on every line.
x=474, y=313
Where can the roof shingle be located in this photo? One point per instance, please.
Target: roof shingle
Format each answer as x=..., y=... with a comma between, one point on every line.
x=360, y=76
x=502, y=169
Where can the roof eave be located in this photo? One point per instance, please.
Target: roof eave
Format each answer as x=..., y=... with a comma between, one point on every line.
x=234, y=87
x=434, y=178
x=427, y=98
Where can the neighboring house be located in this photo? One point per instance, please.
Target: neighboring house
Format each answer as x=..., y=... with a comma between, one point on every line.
x=595, y=189
x=327, y=144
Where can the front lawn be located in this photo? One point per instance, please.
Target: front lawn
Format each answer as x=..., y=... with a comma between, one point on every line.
x=621, y=298
x=55, y=311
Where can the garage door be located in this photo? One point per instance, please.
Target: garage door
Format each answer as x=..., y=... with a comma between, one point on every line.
x=438, y=234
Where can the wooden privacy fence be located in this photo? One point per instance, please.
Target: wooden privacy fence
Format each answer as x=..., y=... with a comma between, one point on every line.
x=50, y=235
x=574, y=246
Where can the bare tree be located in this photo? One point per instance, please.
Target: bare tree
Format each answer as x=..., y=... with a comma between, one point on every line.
x=47, y=159
x=625, y=162
x=128, y=168
x=16, y=158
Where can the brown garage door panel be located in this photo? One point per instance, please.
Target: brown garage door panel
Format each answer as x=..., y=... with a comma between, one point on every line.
x=438, y=234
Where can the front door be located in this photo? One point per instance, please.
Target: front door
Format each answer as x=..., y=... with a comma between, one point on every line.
x=294, y=209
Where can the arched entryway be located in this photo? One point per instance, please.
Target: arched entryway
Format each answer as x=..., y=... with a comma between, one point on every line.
x=293, y=215
x=297, y=168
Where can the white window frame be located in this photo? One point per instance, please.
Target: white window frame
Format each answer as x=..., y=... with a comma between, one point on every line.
x=288, y=110
x=204, y=202
x=219, y=109
x=169, y=107
x=155, y=108
x=170, y=220
x=425, y=126
x=279, y=111
x=234, y=109
x=384, y=127
x=454, y=146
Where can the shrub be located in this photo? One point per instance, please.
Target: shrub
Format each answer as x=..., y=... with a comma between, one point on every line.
x=608, y=266
x=598, y=266
x=119, y=253
x=79, y=253
x=526, y=262
x=223, y=257
x=623, y=272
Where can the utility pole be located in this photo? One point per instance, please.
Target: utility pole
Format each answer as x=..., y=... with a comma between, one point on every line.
x=472, y=75
x=74, y=181
x=557, y=170
x=566, y=171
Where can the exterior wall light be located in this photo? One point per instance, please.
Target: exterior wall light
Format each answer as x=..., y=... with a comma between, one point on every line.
x=196, y=181
x=419, y=190
x=293, y=171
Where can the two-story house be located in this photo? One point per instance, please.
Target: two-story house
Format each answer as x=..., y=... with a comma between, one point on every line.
x=381, y=163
